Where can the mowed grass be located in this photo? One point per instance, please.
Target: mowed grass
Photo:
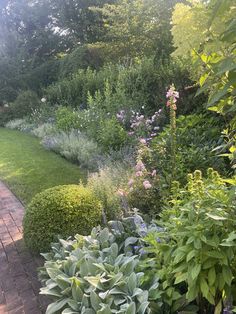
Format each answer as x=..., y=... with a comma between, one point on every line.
x=27, y=168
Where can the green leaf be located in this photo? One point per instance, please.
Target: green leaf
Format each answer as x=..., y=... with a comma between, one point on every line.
x=218, y=308
x=132, y=282
x=95, y=300
x=217, y=96
x=204, y=287
x=56, y=306
x=181, y=278
x=215, y=217
x=94, y=281
x=227, y=275
x=195, y=271
x=190, y=255
x=211, y=276
x=143, y=308
x=131, y=309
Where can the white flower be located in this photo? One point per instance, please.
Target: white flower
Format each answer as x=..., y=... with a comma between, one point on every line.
x=43, y=100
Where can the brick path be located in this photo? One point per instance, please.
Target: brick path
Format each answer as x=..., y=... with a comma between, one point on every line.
x=19, y=286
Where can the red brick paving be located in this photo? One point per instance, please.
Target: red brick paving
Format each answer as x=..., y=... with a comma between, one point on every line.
x=19, y=286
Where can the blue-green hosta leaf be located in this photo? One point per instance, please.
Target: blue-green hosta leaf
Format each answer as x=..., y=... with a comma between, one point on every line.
x=104, y=235
x=73, y=304
x=50, y=292
x=132, y=282
x=130, y=240
x=143, y=297
x=77, y=293
x=69, y=311
x=56, y=306
x=131, y=308
x=95, y=300
x=105, y=310
x=114, y=250
x=95, y=281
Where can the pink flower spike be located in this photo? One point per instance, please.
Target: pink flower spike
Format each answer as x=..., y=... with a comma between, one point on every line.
x=147, y=185
x=121, y=192
x=139, y=166
x=154, y=173
x=139, y=174
x=142, y=141
x=131, y=182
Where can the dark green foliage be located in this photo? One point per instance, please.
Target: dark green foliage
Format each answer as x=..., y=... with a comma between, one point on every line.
x=197, y=136
x=111, y=135
x=133, y=86
x=80, y=58
x=64, y=210
x=25, y=104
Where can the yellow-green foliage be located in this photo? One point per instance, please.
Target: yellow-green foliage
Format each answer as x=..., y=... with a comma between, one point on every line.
x=63, y=210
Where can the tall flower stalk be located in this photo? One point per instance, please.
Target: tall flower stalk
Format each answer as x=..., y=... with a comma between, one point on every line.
x=172, y=96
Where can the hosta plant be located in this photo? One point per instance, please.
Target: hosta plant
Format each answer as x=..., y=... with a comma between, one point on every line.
x=97, y=273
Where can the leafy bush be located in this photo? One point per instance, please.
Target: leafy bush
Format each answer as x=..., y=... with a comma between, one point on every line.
x=195, y=250
x=112, y=135
x=98, y=273
x=66, y=119
x=75, y=147
x=127, y=86
x=64, y=210
x=24, y=104
x=197, y=136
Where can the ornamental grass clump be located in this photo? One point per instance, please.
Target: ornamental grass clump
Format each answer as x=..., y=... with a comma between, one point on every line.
x=63, y=210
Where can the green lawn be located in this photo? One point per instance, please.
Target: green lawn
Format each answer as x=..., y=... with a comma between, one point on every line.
x=27, y=168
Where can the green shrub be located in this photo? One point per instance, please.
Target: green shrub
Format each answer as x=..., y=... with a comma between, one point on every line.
x=64, y=210
x=195, y=250
x=111, y=135
x=66, y=119
x=25, y=103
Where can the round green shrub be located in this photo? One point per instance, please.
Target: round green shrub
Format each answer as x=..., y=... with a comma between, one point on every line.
x=63, y=210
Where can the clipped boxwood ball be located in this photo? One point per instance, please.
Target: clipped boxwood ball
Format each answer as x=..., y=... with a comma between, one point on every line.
x=63, y=210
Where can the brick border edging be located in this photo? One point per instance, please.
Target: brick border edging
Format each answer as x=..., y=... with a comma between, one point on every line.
x=19, y=286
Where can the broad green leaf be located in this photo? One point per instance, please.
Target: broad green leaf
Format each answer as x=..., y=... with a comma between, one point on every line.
x=56, y=306
x=227, y=274
x=218, y=308
x=195, y=271
x=204, y=287
x=216, y=217
x=211, y=276
x=131, y=309
x=190, y=255
x=181, y=278
x=95, y=300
